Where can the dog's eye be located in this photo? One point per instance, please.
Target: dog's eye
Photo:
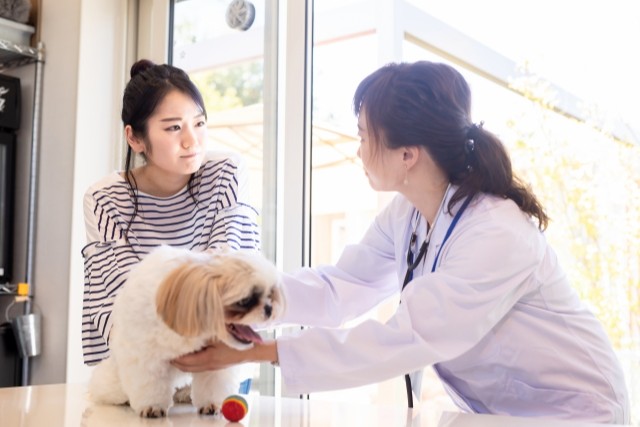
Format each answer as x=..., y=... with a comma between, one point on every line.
x=248, y=302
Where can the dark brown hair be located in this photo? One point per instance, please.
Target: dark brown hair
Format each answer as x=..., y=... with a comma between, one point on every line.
x=428, y=104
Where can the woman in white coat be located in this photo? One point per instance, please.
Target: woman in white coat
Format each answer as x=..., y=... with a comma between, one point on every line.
x=483, y=297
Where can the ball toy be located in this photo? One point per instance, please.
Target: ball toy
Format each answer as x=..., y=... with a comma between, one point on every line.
x=234, y=408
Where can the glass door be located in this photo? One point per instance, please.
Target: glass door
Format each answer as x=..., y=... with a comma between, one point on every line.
x=226, y=48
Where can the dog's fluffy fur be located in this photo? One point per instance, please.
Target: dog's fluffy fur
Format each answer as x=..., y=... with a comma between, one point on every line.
x=173, y=303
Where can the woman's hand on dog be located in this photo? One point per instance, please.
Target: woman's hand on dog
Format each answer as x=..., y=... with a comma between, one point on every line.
x=219, y=356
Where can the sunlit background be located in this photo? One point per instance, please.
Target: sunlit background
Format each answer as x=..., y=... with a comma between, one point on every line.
x=557, y=81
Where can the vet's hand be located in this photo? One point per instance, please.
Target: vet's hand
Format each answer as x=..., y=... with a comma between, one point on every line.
x=219, y=356
x=214, y=356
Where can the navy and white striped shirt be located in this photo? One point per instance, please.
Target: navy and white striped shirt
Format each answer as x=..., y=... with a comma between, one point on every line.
x=220, y=218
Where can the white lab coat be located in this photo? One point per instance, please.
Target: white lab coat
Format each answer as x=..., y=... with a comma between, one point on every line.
x=498, y=319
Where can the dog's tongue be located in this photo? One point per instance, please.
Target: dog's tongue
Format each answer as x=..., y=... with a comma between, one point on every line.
x=245, y=333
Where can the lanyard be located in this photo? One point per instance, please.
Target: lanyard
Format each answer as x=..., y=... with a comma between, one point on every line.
x=412, y=265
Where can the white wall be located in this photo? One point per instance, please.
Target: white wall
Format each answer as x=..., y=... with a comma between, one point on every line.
x=101, y=79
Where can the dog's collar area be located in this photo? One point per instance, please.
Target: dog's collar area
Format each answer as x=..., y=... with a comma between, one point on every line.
x=243, y=333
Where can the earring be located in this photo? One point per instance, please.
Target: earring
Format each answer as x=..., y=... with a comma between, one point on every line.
x=406, y=175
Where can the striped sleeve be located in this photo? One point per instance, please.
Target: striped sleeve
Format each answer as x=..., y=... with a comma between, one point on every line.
x=236, y=227
x=236, y=222
x=106, y=265
x=103, y=276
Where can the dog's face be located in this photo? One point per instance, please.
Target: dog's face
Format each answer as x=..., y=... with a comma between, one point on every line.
x=219, y=295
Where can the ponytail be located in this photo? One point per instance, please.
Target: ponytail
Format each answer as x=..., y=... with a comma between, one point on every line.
x=489, y=170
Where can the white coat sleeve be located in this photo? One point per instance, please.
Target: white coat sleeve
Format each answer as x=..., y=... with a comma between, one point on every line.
x=364, y=276
x=441, y=315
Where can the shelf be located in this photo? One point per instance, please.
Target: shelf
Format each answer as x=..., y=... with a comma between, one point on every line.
x=16, y=52
x=14, y=55
x=5, y=290
x=14, y=44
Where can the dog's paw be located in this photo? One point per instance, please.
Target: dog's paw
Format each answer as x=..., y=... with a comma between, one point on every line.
x=153, y=412
x=210, y=409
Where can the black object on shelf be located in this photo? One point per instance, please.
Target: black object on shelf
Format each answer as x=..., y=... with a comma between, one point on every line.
x=9, y=102
x=9, y=360
x=7, y=170
x=9, y=124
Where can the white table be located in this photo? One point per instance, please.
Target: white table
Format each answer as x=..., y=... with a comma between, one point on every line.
x=67, y=405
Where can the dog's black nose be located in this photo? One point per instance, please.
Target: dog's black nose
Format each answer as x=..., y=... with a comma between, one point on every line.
x=268, y=309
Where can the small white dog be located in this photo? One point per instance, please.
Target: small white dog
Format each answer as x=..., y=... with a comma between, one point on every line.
x=173, y=303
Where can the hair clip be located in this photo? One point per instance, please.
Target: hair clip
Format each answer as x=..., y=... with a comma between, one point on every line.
x=472, y=131
x=469, y=146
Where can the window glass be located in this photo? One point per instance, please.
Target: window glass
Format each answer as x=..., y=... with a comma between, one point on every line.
x=339, y=215
x=227, y=66
x=583, y=171
x=224, y=54
x=585, y=47
x=584, y=177
x=342, y=202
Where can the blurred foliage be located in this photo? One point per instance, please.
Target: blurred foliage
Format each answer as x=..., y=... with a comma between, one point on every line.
x=230, y=87
x=589, y=183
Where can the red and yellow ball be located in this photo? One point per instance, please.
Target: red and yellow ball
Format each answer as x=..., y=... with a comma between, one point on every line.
x=234, y=408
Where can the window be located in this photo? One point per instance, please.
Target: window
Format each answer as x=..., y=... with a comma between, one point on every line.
x=227, y=64
x=227, y=52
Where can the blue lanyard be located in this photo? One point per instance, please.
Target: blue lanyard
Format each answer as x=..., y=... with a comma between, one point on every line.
x=450, y=229
x=425, y=245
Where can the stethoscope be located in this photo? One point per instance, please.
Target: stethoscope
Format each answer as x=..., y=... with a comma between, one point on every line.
x=413, y=264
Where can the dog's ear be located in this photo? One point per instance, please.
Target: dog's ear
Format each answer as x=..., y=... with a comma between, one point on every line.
x=189, y=301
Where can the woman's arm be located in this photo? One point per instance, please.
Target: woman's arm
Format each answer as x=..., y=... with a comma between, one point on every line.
x=365, y=275
x=106, y=264
x=235, y=224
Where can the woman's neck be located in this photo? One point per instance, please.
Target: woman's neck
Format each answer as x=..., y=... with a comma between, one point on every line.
x=430, y=202
x=427, y=187
x=426, y=192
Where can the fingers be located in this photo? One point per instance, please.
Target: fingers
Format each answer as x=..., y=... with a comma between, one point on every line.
x=180, y=365
x=193, y=362
x=183, y=367
x=218, y=356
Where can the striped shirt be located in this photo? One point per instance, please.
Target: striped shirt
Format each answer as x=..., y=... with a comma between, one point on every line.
x=220, y=218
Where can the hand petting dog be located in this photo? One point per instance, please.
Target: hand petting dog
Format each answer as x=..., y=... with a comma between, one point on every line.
x=220, y=356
